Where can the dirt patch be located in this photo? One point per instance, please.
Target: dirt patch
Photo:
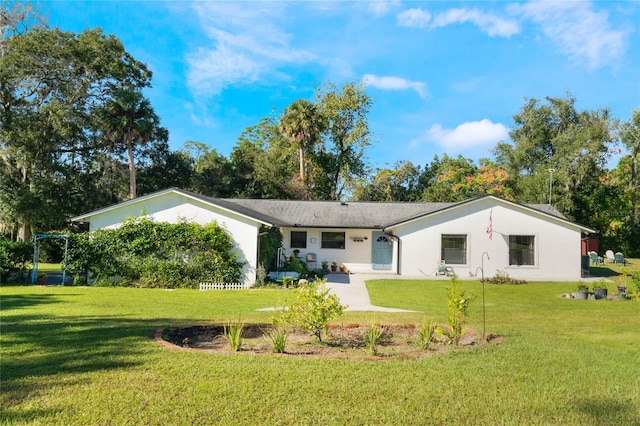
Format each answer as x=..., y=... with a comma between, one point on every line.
x=342, y=341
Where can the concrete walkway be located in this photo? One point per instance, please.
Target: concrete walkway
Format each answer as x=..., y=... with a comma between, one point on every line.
x=352, y=291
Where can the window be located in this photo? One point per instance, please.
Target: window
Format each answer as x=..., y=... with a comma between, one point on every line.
x=521, y=250
x=298, y=239
x=333, y=240
x=454, y=249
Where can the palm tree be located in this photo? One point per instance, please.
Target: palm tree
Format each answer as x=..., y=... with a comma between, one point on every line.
x=302, y=125
x=128, y=118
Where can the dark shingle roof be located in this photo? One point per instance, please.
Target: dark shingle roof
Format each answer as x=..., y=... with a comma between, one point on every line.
x=332, y=214
x=325, y=214
x=336, y=214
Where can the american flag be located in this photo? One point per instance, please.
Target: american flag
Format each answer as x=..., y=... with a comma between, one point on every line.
x=490, y=226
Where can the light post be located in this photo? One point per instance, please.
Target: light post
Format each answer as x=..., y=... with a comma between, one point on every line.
x=484, y=315
x=550, y=182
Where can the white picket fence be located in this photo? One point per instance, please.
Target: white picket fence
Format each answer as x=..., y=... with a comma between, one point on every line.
x=223, y=286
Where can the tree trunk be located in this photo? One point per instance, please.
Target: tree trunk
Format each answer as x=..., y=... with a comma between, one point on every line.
x=634, y=188
x=301, y=159
x=132, y=172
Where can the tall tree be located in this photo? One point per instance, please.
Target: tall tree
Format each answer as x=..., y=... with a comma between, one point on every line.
x=341, y=158
x=397, y=184
x=441, y=180
x=554, y=141
x=164, y=169
x=630, y=137
x=263, y=165
x=51, y=83
x=129, y=119
x=302, y=125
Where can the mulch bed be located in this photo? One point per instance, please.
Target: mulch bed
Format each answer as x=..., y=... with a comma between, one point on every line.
x=343, y=341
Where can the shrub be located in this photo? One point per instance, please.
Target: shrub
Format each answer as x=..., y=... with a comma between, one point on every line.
x=233, y=335
x=372, y=338
x=458, y=308
x=296, y=265
x=425, y=334
x=633, y=288
x=278, y=336
x=143, y=253
x=14, y=257
x=504, y=278
x=313, y=308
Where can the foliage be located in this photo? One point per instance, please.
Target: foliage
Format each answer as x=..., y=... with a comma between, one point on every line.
x=313, y=308
x=504, y=278
x=232, y=333
x=554, y=135
x=633, y=286
x=148, y=254
x=270, y=242
x=296, y=265
x=278, y=337
x=425, y=334
x=54, y=83
x=341, y=157
x=14, y=257
x=262, y=164
x=127, y=120
x=458, y=302
x=302, y=125
x=387, y=184
x=372, y=338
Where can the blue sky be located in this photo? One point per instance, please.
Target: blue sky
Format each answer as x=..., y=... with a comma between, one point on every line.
x=445, y=77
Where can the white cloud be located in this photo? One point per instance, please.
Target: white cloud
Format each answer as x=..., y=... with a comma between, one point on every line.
x=414, y=18
x=491, y=24
x=472, y=134
x=245, y=46
x=380, y=8
x=395, y=83
x=577, y=30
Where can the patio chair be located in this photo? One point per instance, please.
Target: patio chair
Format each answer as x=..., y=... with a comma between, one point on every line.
x=595, y=259
x=311, y=259
x=610, y=256
x=619, y=259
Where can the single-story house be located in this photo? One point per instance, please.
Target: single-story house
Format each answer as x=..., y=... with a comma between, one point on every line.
x=531, y=242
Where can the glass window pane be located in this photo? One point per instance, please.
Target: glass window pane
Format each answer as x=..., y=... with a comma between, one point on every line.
x=333, y=240
x=298, y=239
x=521, y=250
x=454, y=249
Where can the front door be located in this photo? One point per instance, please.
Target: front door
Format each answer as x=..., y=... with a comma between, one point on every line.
x=381, y=253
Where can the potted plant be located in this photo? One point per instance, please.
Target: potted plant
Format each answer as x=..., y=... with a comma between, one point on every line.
x=325, y=265
x=599, y=291
x=582, y=293
x=42, y=279
x=334, y=266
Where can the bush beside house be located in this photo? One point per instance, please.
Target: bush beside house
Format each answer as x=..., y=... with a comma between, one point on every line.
x=143, y=253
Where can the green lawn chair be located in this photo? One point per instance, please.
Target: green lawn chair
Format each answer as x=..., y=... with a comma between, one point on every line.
x=595, y=259
x=619, y=259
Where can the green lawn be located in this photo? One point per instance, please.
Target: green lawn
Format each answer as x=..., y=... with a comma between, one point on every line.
x=73, y=355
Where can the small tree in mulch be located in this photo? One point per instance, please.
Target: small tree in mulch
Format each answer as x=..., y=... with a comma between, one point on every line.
x=458, y=302
x=313, y=308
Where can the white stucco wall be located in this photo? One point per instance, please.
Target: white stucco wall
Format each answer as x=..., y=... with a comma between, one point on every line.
x=356, y=255
x=557, y=244
x=174, y=207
